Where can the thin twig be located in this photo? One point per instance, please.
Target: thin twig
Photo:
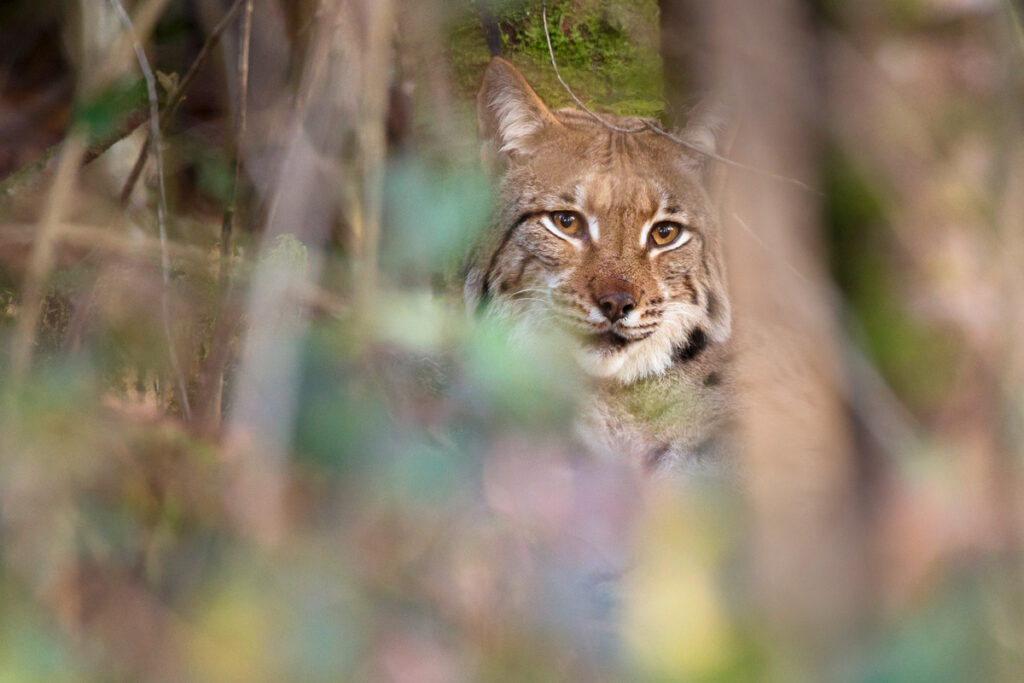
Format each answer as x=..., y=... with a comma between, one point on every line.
x=735, y=164
x=558, y=75
x=146, y=15
x=654, y=128
x=177, y=95
x=243, y=94
x=211, y=375
x=132, y=114
x=161, y=210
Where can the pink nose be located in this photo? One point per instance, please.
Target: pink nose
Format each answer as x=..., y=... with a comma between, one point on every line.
x=616, y=305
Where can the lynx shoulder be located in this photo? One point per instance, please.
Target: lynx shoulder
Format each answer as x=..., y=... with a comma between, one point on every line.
x=612, y=236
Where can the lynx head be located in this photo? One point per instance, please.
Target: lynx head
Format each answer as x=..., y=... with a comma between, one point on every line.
x=611, y=235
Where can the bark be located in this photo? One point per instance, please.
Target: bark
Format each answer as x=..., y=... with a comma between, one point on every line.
x=808, y=557
x=332, y=165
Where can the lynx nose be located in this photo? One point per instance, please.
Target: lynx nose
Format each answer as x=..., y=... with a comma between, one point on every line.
x=616, y=305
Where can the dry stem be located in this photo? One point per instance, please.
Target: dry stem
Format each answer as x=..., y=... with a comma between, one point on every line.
x=161, y=212
x=243, y=105
x=41, y=259
x=211, y=380
x=177, y=95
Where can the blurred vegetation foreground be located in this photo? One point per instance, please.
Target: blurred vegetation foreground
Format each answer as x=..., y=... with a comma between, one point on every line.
x=274, y=447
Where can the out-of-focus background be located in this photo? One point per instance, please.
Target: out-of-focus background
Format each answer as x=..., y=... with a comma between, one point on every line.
x=249, y=432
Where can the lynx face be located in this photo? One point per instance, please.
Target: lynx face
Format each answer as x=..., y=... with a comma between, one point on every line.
x=609, y=235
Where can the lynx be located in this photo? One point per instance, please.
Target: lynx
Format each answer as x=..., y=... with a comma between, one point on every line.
x=613, y=235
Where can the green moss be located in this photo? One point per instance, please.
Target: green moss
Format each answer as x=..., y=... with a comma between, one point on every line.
x=606, y=51
x=662, y=403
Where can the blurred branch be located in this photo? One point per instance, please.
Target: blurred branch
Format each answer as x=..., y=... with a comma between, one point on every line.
x=810, y=568
x=137, y=112
x=119, y=56
x=243, y=103
x=82, y=236
x=339, y=115
x=1015, y=10
x=178, y=94
x=868, y=394
x=210, y=389
x=210, y=393
x=161, y=212
x=1006, y=368
x=41, y=259
x=26, y=177
x=654, y=128
x=67, y=235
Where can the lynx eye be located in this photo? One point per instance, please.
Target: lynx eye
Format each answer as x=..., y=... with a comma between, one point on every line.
x=569, y=222
x=665, y=233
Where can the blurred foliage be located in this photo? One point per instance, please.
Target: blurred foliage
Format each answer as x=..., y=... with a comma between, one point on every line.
x=918, y=358
x=440, y=522
x=436, y=214
x=103, y=113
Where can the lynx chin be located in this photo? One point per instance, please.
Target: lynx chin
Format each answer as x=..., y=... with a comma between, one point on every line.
x=613, y=237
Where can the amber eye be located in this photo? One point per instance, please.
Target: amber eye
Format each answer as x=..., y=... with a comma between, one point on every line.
x=665, y=233
x=569, y=222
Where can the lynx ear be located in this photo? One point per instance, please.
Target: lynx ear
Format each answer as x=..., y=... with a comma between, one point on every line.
x=508, y=109
x=706, y=128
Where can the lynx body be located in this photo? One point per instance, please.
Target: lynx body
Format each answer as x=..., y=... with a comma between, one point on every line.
x=612, y=236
